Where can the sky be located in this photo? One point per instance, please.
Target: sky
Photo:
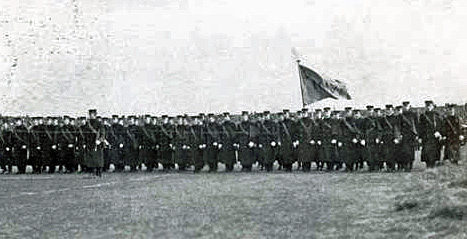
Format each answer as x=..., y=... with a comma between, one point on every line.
x=170, y=57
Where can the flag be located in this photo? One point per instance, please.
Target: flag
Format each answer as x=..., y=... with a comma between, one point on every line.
x=315, y=88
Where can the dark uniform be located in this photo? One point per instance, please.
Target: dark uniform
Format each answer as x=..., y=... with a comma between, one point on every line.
x=392, y=138
x=317, y=140
x=20, y=142
x=246, y=144
x=94, y=136
x=305, y=144
x=453, y=134
x=288, y=141
x=80, y=144
x=182, y=144
x=116, y=138
x=372, y=131
x=147, y=142
x=198, y=144
x=35, y=146
x=409, y=132
x=431, y=132
x=328, y=140
x=6, y=141
x=107, y=149
x=269, y=139
x=166, y=144
x=212, y=139
x=131, y=145
x=227, y=140
x=66, y=142
x=351, y=137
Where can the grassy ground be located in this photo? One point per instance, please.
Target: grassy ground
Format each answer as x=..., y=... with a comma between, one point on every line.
x=420, y=204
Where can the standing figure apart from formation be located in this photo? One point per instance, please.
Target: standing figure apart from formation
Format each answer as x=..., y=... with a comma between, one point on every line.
x=454, y=137
x=431, y=134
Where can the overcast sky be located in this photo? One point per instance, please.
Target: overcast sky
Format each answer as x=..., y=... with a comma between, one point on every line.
x=136, y=57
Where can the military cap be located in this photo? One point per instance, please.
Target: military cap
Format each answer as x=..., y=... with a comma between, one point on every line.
x=398, y=107
x=451, y=105
x=405, y=103
x=280, y=113
x=66, y=117
x=185, y=116
x=327, y=108
x=79, y=118
x=304, y=110
x=201, y=114
x=318, y=110
x=260, y=114
x=147, y=116
x=179, y=116
x=286, y=111
x=428, y=102
x=226, y=113
x=377, y=109
x=299, y=112
x=266, y=112
x=92, y=111
x=356, y=111
x=164, y=116
x=210, y=115
x=244, y=112
x=389, y=106
x=114, y=116
x=348, y=108
x=369, y=107
x=335, y=112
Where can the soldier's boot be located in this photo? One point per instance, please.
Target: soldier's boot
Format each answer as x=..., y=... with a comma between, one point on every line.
x=246, y=168
x=307, y=167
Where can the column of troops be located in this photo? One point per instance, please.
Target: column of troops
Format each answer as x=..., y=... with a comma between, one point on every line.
x=386, y=139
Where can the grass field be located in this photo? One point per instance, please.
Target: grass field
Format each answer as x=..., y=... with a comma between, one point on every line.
x=420, y=204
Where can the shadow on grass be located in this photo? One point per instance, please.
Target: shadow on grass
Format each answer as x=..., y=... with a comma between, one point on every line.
x=456, y=212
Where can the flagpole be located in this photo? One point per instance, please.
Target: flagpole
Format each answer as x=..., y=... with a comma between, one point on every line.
x=300, y=78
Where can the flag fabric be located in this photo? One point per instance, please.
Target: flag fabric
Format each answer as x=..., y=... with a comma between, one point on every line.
x=315, y=88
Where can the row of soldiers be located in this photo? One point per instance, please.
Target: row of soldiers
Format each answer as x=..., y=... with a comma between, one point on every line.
x=331, y=139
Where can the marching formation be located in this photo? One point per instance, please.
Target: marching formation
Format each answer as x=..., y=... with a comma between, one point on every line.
x=384, y=139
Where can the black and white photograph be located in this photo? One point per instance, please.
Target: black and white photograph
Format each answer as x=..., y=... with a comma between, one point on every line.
x=233, y=119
